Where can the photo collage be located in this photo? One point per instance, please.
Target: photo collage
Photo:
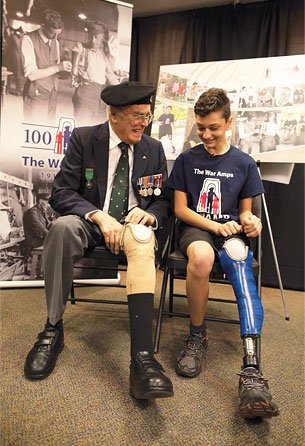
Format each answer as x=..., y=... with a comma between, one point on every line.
x=268, y=116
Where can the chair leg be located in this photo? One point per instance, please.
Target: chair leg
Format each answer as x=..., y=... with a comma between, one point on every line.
x=161, y=309
x=72, y=294
x=171, y=293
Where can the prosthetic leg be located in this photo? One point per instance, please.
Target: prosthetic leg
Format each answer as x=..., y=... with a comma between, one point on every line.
x=236, y=261
x=146, y=378
x=138, y=242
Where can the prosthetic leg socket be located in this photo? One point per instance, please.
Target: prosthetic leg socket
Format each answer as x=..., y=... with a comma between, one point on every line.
x=138, y=242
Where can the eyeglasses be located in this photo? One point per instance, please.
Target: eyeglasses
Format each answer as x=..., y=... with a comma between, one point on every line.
x=142, y=117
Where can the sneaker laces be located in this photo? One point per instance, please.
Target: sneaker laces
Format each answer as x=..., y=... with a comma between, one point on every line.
x=194, y=343
x=252, y=380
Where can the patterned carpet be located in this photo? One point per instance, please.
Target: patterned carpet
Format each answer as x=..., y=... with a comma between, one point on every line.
x=85, y=401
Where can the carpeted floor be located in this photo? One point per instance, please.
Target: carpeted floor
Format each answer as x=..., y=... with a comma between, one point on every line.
x=85, y=401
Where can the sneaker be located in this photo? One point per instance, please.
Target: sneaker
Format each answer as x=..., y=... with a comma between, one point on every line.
x=189, y=361
x=255, y=397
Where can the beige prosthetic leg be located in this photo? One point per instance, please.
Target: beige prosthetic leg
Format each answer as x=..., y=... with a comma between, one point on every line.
x=139, y=244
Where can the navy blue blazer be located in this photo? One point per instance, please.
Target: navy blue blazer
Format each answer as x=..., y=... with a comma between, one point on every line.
x=89, y=148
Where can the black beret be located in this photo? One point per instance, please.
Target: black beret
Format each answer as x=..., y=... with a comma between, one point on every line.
x=128, y=93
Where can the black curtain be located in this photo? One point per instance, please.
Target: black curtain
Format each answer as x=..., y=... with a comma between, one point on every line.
x=285, y=205
x=244, y=31
x=262, y=29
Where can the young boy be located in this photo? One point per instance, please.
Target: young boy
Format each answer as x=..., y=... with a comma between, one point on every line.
x=213, y=185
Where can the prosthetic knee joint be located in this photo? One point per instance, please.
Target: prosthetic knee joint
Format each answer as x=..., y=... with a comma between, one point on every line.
x=139, y=243
x=236, y=261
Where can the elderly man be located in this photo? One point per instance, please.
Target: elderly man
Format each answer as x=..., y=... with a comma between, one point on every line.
x=41, y=63
x=109, y=191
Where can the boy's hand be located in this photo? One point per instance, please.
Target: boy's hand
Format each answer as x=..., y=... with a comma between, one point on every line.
x=228, y=228
x=252, y=226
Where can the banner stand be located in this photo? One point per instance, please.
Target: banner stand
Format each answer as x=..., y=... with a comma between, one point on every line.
x=273, y=249
x=40, y=283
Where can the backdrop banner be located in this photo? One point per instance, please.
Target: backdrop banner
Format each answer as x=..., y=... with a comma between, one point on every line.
x=57, y=56
x=267, y=104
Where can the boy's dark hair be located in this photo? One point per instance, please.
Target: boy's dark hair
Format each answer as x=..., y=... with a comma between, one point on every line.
x=51, y=19
x=213, y=100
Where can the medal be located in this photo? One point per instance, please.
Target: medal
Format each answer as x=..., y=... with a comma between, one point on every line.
x=145, y=189
x=89, y=176
x=139, y=184
x=158, y=184
x=150, y=190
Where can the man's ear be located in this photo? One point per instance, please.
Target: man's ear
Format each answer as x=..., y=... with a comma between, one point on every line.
x=112, y=117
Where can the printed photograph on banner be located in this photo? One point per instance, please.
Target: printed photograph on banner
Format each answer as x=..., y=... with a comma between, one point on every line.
x=267, y=98
x=169, y=126
x=56, y=59
x=256, y=132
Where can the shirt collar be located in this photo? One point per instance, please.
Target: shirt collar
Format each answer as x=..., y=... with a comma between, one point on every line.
x=44, y=38
x=114, y=140
x=93, y=50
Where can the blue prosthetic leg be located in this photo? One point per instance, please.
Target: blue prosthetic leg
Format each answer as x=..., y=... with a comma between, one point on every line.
x=236, y=261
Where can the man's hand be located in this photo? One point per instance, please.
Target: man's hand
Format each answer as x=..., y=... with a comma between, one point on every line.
x=65, y=66
x=228, y=228
x=252, y=226
x=110, y=228
x=139, y=217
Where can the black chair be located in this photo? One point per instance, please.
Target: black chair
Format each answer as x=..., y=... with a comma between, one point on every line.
x=98, y=263
x=175, y=269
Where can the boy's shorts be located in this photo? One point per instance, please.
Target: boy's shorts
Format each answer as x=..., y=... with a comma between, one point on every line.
x=192, y=234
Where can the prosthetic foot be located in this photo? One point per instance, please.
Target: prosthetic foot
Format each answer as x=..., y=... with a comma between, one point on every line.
x=255, y=397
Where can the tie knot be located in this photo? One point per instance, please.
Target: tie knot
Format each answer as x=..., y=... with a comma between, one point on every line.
x=123, y=147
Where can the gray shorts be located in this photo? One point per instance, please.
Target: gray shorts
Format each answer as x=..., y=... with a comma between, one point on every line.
x=192, y=234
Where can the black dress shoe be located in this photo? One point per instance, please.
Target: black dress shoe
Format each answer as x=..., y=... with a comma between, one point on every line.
x=41, y=360
x=147, y=380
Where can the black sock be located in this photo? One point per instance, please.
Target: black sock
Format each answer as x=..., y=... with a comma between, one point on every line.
x=59, y=324
x=199, y=328
x=140, y=308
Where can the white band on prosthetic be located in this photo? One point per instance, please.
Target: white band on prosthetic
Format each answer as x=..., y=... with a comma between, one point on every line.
x=236, y=248
x=139, y=243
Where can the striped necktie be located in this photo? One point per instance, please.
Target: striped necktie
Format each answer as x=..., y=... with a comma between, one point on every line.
x=118, y=205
